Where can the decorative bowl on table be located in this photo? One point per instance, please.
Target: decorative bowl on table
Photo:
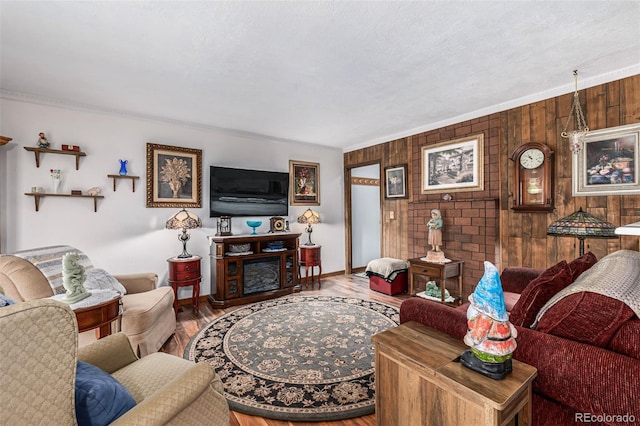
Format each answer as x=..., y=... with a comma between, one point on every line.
x=254, y=224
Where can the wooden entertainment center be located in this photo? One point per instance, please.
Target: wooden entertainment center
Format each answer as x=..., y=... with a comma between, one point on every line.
x=250, y=268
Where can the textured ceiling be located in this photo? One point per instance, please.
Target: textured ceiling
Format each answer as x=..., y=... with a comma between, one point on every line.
x=341, y=74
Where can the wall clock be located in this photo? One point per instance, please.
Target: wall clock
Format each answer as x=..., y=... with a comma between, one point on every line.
x=276, y=224
x=533, y=178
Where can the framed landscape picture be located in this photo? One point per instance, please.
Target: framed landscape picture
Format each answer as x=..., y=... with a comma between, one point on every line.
x=395, y=181
x=174, y=176
x=606, y=165
x=453, y=166
x=304, y=183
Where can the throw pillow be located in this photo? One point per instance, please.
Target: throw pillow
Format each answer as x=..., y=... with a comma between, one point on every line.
x=5, y=301
x=586, y=317
x=538, y=292
x=581, y=264
x=99, y=279
x=100, y=399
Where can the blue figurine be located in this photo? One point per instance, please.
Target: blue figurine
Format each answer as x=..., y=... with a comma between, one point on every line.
x=123, y=167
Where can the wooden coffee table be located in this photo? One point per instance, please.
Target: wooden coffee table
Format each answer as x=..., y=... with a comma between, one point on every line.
x=420, y=381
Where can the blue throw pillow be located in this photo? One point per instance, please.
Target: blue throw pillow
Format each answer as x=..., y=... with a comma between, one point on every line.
x=100, y=399
x=5, y=301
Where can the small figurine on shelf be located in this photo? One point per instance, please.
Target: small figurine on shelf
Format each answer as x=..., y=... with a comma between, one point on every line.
x=123, y=167
x=73, y=278
x=93, y=191
x=43, y=142
x=435, y=238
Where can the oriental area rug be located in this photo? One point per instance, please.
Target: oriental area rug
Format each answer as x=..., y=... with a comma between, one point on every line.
x=296, y=358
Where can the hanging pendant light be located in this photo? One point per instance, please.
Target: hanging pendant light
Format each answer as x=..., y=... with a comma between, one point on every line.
x=576, y=136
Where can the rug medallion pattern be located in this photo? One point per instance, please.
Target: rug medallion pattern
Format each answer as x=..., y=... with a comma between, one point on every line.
x=298, y=357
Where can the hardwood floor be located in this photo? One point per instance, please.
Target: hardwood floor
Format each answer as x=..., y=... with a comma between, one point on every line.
x=341, y=285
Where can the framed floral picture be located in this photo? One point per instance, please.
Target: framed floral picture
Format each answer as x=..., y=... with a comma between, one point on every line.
x=453, y=166
x=606, y=165
x=395, y=181
x=174, y=176
x=304, y=183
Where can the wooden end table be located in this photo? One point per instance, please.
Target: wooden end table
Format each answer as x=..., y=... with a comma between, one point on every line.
x=420, y=381
x=438, y=271
x=185, y=272
x=100, y=316
x=309, y=258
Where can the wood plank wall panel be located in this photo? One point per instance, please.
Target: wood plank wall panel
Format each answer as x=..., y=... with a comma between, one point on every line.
x=480, y=225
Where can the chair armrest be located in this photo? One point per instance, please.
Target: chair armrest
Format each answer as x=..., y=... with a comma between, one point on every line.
x=138, y=283
x=174, y=397
x=110, y=353
x=515, y=279
x=435, y=315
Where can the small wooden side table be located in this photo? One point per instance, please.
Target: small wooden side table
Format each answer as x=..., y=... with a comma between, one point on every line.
x=439, y=271
x=309, y=258
x=185, y=272
x=420, y=381
x=99, y=317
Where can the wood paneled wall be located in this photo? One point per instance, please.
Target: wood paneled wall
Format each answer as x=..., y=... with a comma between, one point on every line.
x=480, y=225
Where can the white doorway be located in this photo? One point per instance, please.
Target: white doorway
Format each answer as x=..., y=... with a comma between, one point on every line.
x=365, y=215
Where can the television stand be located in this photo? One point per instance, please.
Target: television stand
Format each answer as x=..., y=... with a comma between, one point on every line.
x=251, y=268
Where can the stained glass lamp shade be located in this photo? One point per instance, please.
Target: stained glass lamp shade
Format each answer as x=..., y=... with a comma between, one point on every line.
x=309, y=217
x=582, y=225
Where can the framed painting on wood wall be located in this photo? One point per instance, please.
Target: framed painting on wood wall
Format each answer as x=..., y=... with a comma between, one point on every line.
x=606, y=165
x=395, y=181
x=174, y=176
x=453, y=166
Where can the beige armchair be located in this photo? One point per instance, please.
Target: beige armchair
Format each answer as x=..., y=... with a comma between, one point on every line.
x=39, y=354
x=148, y=318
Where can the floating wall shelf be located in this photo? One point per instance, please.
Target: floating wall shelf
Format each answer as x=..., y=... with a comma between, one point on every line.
x=38, y=151
x=38, y=195
x=116, y=177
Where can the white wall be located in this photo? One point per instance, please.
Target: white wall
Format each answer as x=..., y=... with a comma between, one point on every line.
x=124, y=236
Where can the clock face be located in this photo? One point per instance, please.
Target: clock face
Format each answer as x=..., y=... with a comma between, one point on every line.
x=532, y=158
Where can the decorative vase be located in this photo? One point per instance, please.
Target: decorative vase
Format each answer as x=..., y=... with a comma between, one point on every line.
x=56, y=185
x=123, y=167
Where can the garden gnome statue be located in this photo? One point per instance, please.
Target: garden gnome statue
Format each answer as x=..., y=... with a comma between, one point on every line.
x=73, y=277
x=435, y=237
x=489, y=334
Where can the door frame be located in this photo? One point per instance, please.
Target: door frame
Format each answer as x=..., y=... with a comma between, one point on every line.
x=348, y=257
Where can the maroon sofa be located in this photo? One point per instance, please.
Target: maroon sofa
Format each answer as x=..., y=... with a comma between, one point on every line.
x=576, y=380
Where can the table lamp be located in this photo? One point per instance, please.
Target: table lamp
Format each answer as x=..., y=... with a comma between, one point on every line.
x=184, y=220
x=582, y=225
x=309, y=217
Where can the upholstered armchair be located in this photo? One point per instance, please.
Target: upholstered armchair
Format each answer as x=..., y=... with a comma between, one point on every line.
x=148, y=318
x=39, y=356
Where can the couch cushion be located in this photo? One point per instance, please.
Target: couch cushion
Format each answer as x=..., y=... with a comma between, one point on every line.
x=100, y=398
x=586, y=317
x=538, y=292
x=581, y=264
x=141, y=310
x=627, y=339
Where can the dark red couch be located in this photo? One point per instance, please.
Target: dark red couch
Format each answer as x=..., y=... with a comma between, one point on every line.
x=573, y=377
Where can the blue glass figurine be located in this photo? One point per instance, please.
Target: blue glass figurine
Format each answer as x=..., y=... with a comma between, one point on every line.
x=123, y=167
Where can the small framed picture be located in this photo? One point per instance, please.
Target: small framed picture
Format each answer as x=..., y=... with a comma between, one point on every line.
x=395, y=181
x=606, y=165
x=174, y=176
x=304, y=183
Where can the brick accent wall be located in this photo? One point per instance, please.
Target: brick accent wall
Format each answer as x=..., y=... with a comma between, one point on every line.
x=470, y=218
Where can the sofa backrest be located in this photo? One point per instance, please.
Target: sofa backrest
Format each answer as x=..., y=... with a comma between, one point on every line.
x=21, y=280
x=49, y=261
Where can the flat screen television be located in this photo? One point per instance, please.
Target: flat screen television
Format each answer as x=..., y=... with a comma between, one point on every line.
x=244, y=192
